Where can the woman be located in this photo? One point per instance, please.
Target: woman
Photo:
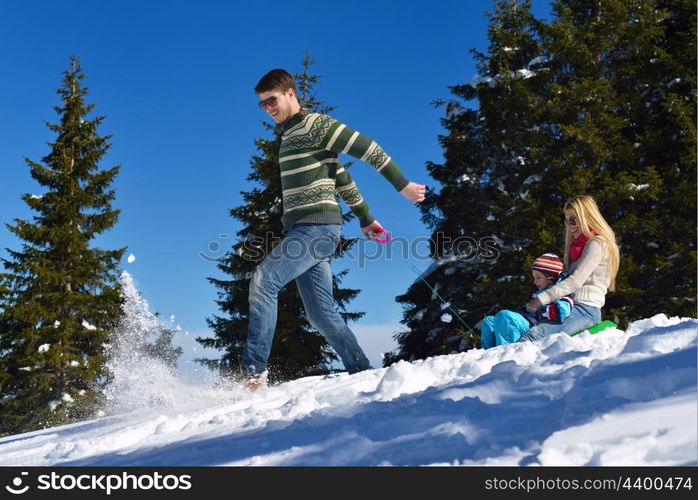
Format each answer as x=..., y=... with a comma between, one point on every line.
x=592, y=256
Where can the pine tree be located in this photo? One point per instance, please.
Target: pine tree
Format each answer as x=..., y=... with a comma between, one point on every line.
x=623, y=101
x=298, y=349
x=60, y=295
x=479, y=250
x=601, y=100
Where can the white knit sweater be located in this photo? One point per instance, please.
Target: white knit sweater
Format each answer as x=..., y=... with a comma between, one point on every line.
x=590, y=276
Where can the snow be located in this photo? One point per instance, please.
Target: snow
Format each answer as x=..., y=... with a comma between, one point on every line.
x=524, y=73
x=614, y=398
x=44, y=347
x=87, y=325
x=508, y=278
x=138, y=378
x=532, y=178
x=479, y=80
x=538, y=60
x=453, y=109
x=419, y=315
x=131, y=258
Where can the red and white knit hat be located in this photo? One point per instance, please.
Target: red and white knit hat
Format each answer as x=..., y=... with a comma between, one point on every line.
x=549, y=264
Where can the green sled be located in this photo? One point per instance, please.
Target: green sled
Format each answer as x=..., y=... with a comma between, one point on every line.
x=598, y=328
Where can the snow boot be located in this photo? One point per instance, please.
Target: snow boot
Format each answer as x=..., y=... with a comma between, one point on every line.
x=254, y=383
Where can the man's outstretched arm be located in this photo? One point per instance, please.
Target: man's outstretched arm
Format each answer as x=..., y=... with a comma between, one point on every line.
x=342, y=139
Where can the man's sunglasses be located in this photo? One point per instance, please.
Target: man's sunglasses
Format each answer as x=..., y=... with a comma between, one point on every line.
x=572, y=221
x=269, y=102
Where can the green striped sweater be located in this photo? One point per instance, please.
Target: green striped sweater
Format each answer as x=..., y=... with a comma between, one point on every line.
x=311, y=176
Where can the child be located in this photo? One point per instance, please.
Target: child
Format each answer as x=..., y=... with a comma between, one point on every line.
x=507, y=327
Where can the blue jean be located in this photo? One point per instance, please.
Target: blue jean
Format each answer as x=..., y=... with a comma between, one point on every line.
x=505, y=327
x=304, y=255
x=582, y=317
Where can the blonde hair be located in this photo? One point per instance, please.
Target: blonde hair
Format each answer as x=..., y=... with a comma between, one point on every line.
x=589, y=219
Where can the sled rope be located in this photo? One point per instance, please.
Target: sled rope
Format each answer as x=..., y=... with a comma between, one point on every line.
x=441, y=298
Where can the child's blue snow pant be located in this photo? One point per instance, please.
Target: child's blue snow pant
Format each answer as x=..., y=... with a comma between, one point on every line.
x=505, y=327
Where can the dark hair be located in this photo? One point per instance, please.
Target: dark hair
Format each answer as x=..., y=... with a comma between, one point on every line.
x=276, y=79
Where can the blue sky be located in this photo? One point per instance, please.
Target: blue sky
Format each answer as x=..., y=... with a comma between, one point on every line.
x=174, y=80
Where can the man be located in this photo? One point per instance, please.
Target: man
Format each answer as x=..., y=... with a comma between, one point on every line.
x=310, y=177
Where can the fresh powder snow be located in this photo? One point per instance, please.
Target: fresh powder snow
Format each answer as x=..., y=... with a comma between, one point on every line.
x=624, y=398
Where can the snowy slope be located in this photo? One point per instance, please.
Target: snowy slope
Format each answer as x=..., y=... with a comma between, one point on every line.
x=615, y=398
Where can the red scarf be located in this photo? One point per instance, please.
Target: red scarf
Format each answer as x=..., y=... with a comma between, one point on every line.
x=577, y=247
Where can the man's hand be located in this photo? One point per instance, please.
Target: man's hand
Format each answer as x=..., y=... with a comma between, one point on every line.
x=372, y=231
x=533, y=305
x=414, y=192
